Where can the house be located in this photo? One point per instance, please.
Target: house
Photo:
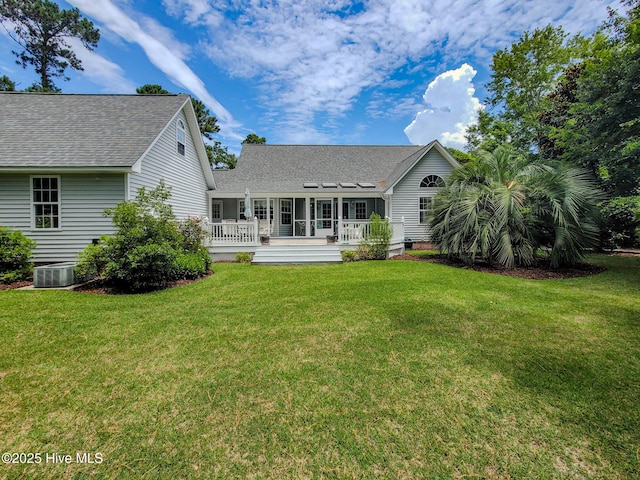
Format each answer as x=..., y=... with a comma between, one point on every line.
x=64, y=159
x=304, y=192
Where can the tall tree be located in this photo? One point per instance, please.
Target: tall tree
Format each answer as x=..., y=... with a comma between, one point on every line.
x=6, y=84
x=152, y=89
x=42, y=30
x=254, y=139
x=521, y=79
x=208, y=123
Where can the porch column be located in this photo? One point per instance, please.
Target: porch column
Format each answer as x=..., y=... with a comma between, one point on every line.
x=308, y=222
x=387, y=206
x=268, y=216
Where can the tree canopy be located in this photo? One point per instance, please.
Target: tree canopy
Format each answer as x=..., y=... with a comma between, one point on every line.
x=255, y=139
x=42, y=30
x=575, y=100
x=6, y=84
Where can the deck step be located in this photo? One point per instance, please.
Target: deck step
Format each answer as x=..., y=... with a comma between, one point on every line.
x=296, y=254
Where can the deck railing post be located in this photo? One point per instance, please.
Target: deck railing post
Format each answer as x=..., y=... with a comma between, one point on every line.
x=256, y=231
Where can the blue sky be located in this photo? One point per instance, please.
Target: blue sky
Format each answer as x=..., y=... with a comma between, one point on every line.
x=313, y=71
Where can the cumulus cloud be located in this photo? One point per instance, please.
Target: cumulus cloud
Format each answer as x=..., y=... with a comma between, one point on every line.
x=166, y=55
x=451, y=107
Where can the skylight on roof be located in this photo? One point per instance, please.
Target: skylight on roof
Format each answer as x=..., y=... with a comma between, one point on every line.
x=366, y=185
x=310, y=185
x=347, y=185
x=329, y=185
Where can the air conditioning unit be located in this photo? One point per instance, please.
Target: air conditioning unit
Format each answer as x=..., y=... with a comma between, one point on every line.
x=54, y=275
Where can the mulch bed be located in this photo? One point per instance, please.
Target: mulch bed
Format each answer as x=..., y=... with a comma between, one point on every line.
x=540, y=271
x=100, y=287
x=14, y=285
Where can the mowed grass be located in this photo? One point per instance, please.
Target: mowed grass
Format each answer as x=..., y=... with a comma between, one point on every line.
x=364, y=370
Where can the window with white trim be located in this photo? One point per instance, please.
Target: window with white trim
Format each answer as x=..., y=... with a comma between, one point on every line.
x=45, y=201
x=180, y=136
x=260, y=209
x=361, y=210
x=286, y=211
x=432, y=181
x=216, y=210
x=425, y=208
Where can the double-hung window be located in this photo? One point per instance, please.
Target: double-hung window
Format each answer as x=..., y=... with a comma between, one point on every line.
x=45, y=202
x=424, y=209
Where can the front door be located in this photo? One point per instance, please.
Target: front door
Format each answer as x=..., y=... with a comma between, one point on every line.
x=324, y=217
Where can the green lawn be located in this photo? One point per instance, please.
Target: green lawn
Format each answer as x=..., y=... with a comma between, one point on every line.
x=364, y=370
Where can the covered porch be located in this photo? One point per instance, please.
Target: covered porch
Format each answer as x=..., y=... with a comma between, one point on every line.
x=292, y=215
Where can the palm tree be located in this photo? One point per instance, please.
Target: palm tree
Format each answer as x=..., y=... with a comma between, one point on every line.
x=502, y=208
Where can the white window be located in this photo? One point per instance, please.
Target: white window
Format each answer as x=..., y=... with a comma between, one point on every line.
x=286, y=211
x=241, y=209
x=361, y=210
x=425, y=209
x=45, y=202
x=180, y=136
x=432, y=181
x=260, y=209
x=216, y=210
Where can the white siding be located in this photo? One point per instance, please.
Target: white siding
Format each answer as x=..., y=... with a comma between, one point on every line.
x=407, y=192
x=83, y=199
x=183, y=173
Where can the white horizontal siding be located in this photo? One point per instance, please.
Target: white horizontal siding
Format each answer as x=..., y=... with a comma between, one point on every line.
x=183, y=173
x=406, y=194
x=83, y=199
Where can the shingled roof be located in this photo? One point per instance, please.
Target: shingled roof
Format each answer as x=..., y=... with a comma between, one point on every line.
x=59, y=130
x=286, y=168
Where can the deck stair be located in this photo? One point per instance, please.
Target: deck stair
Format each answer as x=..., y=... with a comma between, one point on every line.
x=297, y=254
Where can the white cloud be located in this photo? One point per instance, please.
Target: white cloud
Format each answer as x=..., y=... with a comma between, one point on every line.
x=165, y=56
x=101, y=70
x=451, y=107
x=315, y=57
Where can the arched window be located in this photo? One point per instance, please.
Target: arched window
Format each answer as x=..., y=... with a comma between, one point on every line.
x=432, y=181
x=180, y=136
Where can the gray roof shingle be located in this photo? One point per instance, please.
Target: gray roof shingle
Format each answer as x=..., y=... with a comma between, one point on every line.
x=59, y=130
x=285, y=168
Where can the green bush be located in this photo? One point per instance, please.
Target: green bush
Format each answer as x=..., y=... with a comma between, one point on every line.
x=192, y=234
x=149, y=249
x=378, y=239
x=146, y=267
x=349, y=255
x=189, y=265
x=91, y=261
x=15, y=256
x=620, y=222
x=244, y=257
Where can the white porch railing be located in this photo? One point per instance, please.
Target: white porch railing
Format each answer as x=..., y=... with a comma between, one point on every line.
x=355, y=232
x=233, y=233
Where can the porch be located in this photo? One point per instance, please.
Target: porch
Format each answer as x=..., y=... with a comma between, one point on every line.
x=225, y=239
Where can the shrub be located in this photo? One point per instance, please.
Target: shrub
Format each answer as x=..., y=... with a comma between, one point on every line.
x=15, y=256
x=620, y=222
x=149, y=249
x=146, y=267
x=349, y=255
x=378, y=239
x=244, y=257
x=189, y=265
x=192, y=234
x=91, y=261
